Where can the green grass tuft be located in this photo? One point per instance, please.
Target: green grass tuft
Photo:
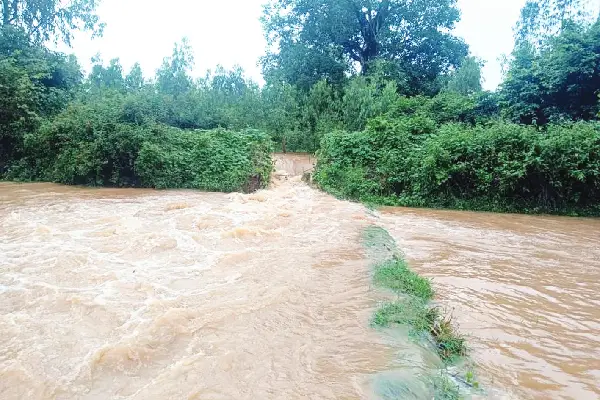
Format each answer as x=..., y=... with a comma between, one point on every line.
x=451, y=345
x=413, y=308
x=445, y=389
x=397, y=276
x=424, y=320
x=411, y=312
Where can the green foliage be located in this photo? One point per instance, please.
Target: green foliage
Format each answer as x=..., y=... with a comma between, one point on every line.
x=95, y=144
x=412, y=312
x=445, y=389
x=208, y=160
x=321, y=39
x=541, y=19
x=364, y=99
x=412, y=309
x=34, y=83
x=45, y=20
x=496, y=167
x=109, y=77
x=466, y=80
x=172, y=77
x=559, y=82
x=382, y=90
x=396, y=275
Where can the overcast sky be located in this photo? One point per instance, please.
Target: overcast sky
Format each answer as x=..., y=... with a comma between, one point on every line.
x=228, y=32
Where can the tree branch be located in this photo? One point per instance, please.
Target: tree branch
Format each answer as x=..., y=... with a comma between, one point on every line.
x=382, y=14
x=354, y=51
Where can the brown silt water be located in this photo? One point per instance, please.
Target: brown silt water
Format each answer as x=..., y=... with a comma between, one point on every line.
x=525, y=290
x=142, y=294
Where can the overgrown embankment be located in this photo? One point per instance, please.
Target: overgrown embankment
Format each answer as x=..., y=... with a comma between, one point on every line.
x=428, y=324
x=412, y=161
x=104, y=144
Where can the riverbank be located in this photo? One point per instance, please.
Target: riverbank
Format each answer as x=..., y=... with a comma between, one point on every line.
x=498, y=167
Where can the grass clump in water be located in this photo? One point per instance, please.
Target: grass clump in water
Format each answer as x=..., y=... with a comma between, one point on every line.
x=445, y=389
x=396, y=275
x=411, y=312
x=450, y=344
x=424, y=320
x=413, y=308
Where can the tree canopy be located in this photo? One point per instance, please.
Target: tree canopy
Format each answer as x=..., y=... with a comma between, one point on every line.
x=541, y=19
x=559, y=82
x=314, y=39
x=54, y=20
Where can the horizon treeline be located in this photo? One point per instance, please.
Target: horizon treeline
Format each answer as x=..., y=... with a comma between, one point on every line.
x=334, y=70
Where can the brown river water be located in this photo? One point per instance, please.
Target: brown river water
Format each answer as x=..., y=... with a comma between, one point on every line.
x=141, y=294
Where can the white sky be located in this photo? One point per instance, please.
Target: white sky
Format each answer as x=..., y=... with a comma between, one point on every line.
x=229, y=32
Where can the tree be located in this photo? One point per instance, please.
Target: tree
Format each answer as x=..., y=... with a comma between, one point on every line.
x=110, y=77
x=34, y=83
x=467, y=79
x=54, y=20
x=356, y=33
x=304, y=66
x=541, y=19
x=365, y=98
x=135, y=78
x=560, y=81
x=173, y=76
x=280, y=102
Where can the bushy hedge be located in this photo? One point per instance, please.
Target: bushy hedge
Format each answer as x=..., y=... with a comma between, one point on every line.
x=98, y=145
x=496, y=167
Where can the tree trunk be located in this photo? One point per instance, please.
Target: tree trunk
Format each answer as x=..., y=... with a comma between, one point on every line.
x=5, y=12
x=15, y=15
x=364, y=67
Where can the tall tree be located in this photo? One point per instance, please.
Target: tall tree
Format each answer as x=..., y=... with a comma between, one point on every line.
x=135, y=78
x=414, y=34
x=34, y=83
x=54, y=20
x=541, y=19
x=109, y=77
x=173, y=76
x=560, y=81
x=467, y=79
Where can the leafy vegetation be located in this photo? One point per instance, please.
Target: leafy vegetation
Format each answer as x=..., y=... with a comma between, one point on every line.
x=44, y=20
x=332, y=36
x=497, y=167
x=413, y=307
x=396, y=275
x=99, y=143
x=383, y=90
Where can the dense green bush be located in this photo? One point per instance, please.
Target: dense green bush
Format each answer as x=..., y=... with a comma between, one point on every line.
x=558, y=81
x=499, y=166
x=35, y=83
x=98, y=145
x=216, y=160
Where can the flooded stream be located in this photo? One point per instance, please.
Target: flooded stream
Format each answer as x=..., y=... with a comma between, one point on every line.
x=141, y=294
x=525, y=290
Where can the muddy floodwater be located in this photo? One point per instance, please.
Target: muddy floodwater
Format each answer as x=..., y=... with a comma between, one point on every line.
x=525, y=290
x=141, y=294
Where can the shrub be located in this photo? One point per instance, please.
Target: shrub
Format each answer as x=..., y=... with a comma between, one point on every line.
x=499, y=166
x=91, y=145
x=215, y=160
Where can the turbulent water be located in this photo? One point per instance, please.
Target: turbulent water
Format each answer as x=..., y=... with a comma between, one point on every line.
x=129, y=294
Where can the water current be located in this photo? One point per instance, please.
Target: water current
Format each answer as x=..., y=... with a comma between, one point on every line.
x=142, y=294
